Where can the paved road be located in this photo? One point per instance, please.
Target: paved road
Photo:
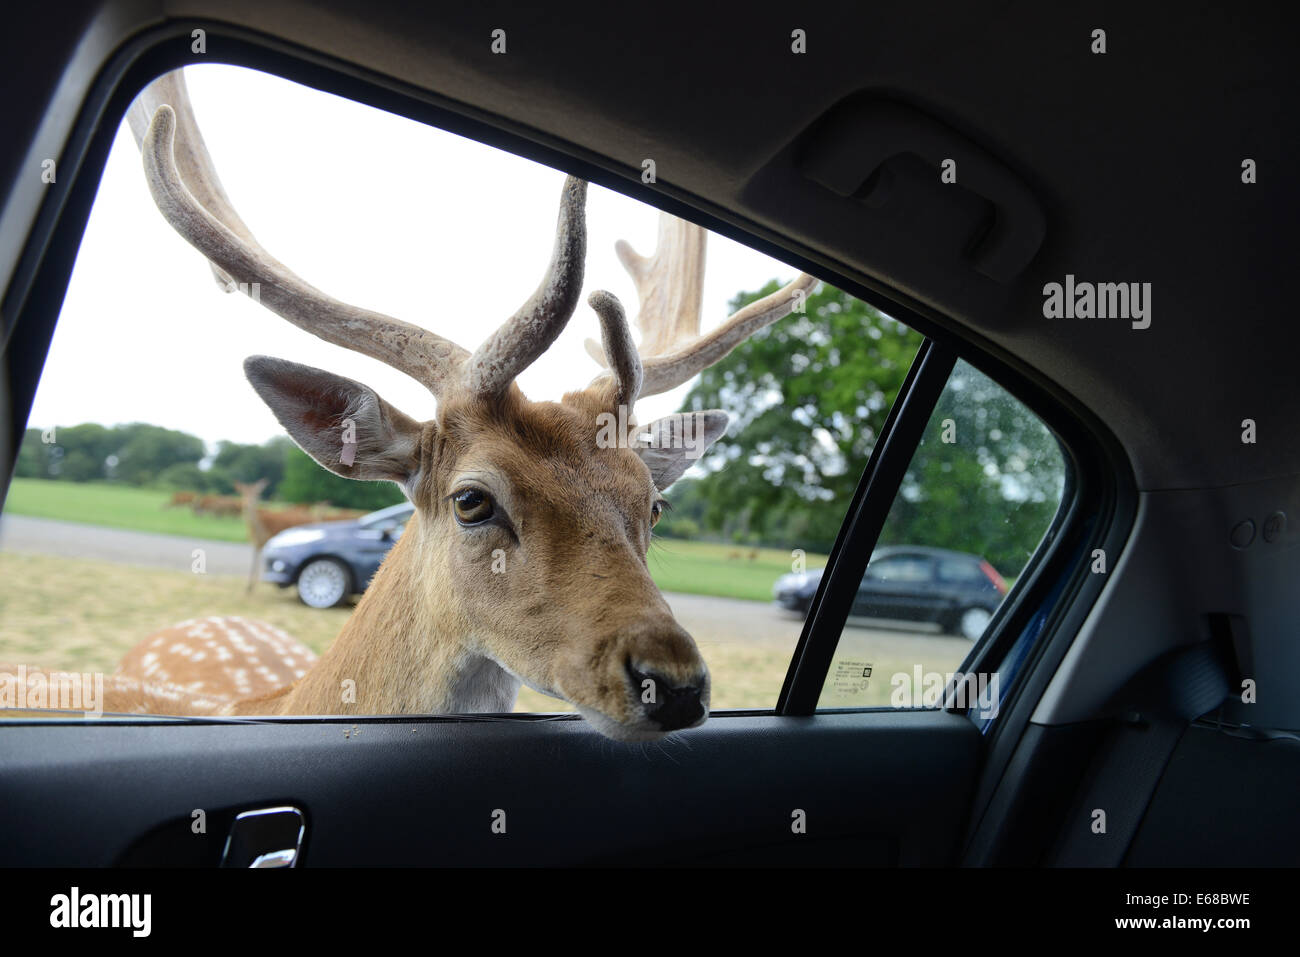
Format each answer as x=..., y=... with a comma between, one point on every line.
x=723, y=619
x=45, y=536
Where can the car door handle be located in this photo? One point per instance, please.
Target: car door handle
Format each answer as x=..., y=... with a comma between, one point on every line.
x=266, y=838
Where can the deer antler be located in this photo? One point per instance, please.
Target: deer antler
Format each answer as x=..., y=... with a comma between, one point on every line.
x=618, y=344
x=187, y=191
x=531, y=330
x=670, y=287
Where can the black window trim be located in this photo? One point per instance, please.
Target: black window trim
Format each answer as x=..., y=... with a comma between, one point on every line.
x=1104, y=490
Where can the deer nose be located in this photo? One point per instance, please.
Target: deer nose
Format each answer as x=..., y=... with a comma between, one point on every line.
x=671, y=706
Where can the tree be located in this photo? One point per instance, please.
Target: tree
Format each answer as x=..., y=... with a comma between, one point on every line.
x=808, y=396
x=249, y=463
x=987, y=477
x=184, y=476
x=34, y=459
x=83, y=452
x=144, y=451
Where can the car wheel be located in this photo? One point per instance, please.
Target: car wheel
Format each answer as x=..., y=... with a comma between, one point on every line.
x=971, y=622
x=323, y=583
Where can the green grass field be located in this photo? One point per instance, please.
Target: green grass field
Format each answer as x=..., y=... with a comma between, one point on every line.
x=697, y=568
x=731, y=571
x=117, y=506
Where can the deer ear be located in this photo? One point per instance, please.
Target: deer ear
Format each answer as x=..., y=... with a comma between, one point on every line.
x=671, y=445
x=344, y=425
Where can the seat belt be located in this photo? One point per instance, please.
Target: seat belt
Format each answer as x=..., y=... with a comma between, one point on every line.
x=1157, y=706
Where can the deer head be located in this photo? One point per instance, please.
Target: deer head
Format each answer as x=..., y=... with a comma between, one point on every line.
x=525, y=560
x=251, y=491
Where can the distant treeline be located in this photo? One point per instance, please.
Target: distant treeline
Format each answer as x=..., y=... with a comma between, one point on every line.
x=150, y=456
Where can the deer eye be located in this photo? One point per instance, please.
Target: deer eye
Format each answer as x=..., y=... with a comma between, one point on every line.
x=472, y=506
x=656, y=511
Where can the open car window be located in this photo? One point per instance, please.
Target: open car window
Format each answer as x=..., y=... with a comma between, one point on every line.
x=154, y=460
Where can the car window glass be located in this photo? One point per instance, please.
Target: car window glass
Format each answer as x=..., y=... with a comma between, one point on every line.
x=980, y=492
x=903, y=569
x=952, y=570
x=396, y=515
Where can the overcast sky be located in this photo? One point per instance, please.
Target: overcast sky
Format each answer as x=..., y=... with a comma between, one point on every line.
x=372, y=208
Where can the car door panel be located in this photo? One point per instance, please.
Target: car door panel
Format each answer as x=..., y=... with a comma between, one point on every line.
x=419, y=792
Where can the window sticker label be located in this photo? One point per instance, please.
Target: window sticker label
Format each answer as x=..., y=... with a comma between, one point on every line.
x=851, y=677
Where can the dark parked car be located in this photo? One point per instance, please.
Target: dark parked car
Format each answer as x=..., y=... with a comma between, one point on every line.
x=329, y=561
x=957, y=591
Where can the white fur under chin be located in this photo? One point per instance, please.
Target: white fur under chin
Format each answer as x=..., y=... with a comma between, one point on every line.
x=482, y=686
x=521, y=680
